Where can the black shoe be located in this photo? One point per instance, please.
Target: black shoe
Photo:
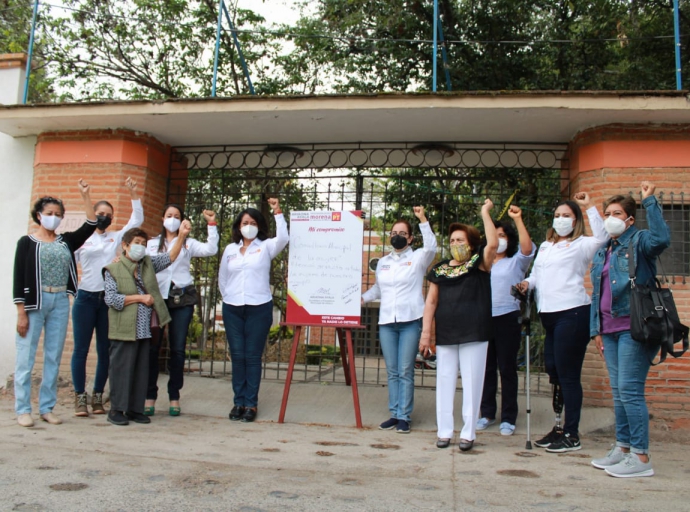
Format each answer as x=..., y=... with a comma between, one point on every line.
x=403, y=427
x=236, y=413
x=566, y=443
x=249, y=415
x=549, y=438
x=442, y=443
x=389, y=424
x=466, y=446
x=117, y=418
x=138, y=417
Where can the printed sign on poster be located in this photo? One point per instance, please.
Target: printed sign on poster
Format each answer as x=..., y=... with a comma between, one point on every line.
x=325, y=268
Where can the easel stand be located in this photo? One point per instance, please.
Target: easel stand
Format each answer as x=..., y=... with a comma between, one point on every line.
x=347, y=356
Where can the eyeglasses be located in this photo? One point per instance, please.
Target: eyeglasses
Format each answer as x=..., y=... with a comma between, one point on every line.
x=401, y=233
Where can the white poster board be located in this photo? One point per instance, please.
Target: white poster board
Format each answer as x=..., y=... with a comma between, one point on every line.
x=325, y=268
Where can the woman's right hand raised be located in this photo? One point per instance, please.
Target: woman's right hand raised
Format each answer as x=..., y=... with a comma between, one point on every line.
x=583, y=200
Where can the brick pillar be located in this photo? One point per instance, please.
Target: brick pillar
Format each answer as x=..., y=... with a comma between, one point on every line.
x=615, y=159
x=104, y=159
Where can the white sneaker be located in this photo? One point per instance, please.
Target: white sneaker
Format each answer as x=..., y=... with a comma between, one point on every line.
x=612, y=458
x=507, y=429
x=484, y=423
x=25, y=420
x=630, y=467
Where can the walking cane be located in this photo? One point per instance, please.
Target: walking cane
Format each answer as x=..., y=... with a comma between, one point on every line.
x=526, y=323
x=525, y=313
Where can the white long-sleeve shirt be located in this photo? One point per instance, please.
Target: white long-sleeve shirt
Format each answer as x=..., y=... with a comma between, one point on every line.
x=559, y=270
x=243, y=279
x=100, y=250
x=178, y=272
x=399, y=280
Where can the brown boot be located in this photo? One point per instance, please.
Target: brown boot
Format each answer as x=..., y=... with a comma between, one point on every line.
x=80, y=400
x=97, y=403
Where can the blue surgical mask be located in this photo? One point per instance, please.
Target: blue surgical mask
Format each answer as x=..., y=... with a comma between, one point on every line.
x=137, y=252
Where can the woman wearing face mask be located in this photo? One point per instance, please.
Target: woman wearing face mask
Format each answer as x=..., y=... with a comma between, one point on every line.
x=244, y=282
x=176, y=281
x=89, y=311
x=45, y=273
x=563, y=304
x=627, y=360
x=399, y=280
x=132, y=294
x=513, y=257
x=459, y=300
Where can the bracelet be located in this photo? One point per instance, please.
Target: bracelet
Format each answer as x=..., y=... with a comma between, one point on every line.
x=277, y=212
x=212, y=224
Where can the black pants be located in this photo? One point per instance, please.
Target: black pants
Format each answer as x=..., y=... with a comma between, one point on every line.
x=567, y=337
x=129, y=371
x=502, y=355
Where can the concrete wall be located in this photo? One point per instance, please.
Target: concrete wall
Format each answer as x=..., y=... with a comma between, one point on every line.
x=16, y=177
x=12, y=77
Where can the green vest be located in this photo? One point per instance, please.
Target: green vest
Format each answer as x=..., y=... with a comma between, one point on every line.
x=122, y=325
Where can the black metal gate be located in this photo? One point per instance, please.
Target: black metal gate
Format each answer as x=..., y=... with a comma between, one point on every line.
x=384, y=180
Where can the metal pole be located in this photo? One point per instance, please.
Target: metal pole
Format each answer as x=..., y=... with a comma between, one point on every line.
x=435, y=55
x=676, y=30
x=31, y=53
x=221, y=4
x=233, y=31
x=444, y=54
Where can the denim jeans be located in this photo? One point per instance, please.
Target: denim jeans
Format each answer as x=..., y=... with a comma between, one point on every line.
x=399, y=343
x=177, y=341
x=502, y=356
x=246, y=328
x=567, y=337
x=90, y=312
x=53, y=315
x=628, y=362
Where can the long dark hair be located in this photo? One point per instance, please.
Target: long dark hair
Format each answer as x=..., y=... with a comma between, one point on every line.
x=578, y=228
x=260, y=223
x=161, y=243
x=511, y=235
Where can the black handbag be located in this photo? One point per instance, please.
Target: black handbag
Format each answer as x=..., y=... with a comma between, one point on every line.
x=181, y=297
x=654, y=318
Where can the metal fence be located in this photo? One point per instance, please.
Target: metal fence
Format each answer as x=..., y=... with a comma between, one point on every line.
x=384, y=181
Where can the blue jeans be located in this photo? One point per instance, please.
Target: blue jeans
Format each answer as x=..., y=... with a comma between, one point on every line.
x=399, y=343
x=565, y=344
x=90, y=312
x=177, y=341
x=628, y=363
x=53, y=315
x=246, y=328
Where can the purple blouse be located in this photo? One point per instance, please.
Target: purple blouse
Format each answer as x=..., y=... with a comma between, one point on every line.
x=610, y=324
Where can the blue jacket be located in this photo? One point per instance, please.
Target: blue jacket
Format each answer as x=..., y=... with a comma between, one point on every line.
x=650, y=243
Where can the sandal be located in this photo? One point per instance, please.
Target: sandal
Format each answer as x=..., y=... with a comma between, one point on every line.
x=149, y=410
x=174, y=410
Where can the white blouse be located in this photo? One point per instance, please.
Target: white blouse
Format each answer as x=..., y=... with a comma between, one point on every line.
x=100, y=250
x=559, y=270
x=243, y=279
x=399, y=280
x=178, y=272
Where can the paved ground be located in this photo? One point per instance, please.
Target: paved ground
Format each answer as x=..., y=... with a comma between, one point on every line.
x=317, y=461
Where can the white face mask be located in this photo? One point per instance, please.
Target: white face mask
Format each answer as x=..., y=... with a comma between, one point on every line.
x=136, y=252
x=249, y=232
x=563, y=225
x=172, y=224
x=50, y=222
x=615, y=226
x=502, y=245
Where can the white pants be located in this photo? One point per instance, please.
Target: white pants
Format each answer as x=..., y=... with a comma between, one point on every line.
x=471, y=358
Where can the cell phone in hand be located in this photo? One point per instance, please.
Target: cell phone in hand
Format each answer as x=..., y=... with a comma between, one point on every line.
x=515, y=292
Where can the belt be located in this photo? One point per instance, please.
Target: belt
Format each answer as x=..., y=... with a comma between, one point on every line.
x=54, y=289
